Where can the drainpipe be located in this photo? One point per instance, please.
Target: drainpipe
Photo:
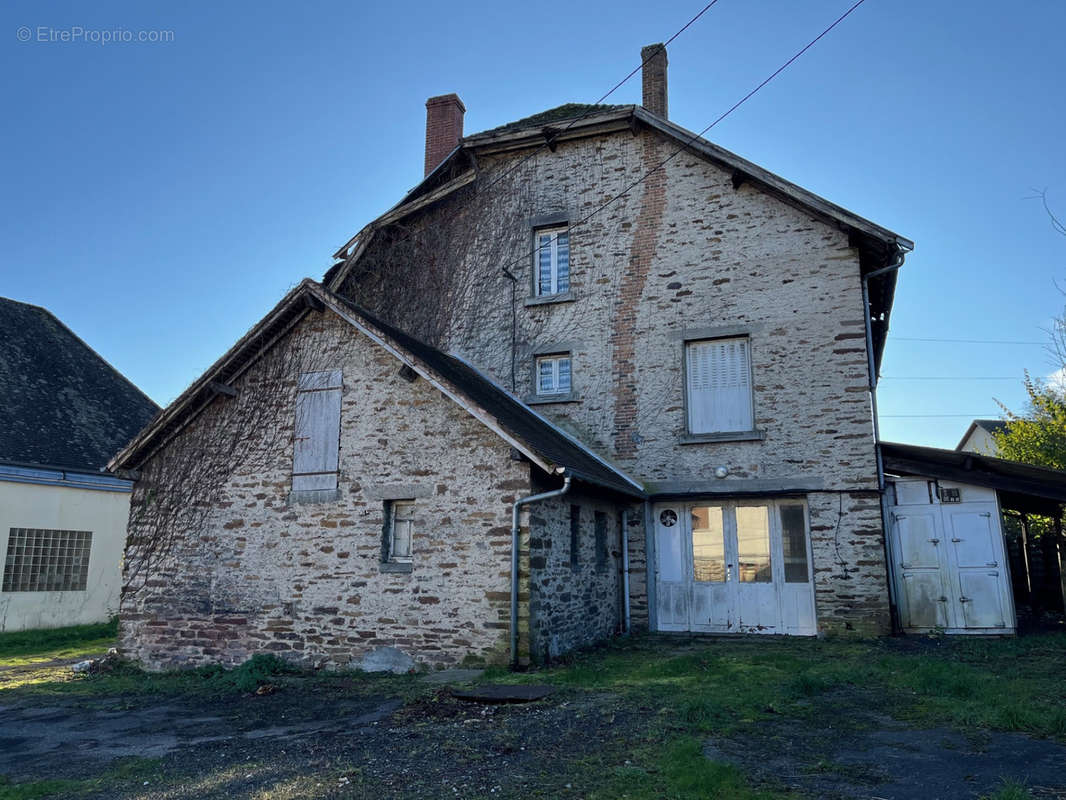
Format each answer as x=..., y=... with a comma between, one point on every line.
x=871, y=366
x=897, y=262
x=625, y=571
x=533, y=498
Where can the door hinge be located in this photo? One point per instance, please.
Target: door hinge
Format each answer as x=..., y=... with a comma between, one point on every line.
x=986, y=513
x=943, y=599
x=935, y=541
x=964, y=599
x=956, y=540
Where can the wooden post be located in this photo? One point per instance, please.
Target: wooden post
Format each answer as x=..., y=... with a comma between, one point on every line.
x=1060, y=545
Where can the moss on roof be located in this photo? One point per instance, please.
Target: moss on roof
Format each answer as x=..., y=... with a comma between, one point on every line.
x=567, y=111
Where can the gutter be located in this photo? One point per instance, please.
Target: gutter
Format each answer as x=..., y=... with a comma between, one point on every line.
x=533, y=498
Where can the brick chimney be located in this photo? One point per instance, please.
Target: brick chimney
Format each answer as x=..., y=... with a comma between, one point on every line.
x=653, y=75
x=444, y=127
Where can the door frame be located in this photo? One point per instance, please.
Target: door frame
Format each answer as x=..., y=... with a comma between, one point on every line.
x=683, y=508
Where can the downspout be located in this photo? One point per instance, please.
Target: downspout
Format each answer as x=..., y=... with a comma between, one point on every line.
x=870, y=364
x=897, y=262
x=625, y=571
x=533, y=498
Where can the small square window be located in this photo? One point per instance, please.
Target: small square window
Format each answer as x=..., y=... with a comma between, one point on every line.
x=553, y=374
x=551, y=263
x=400, y=531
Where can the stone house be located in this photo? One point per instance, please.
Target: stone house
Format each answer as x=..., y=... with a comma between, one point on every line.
x=676, y=346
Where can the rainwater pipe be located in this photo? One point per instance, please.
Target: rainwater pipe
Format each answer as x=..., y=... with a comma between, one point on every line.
x=533, y=498
x=897, y=262
x=625, y=570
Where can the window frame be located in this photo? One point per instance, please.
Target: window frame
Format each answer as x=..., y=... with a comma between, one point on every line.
x=393, y=509
x=554, y=359
x=39, y=560
x=717, y=434
x=552, y=290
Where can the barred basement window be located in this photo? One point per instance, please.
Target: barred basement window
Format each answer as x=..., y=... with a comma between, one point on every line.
x=41, y=560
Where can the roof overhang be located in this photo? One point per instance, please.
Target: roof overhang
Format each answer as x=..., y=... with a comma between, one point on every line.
x=1021, y=487
x=307, y=296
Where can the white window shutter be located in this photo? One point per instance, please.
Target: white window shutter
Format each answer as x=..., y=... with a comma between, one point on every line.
x=719, y=386
x=317, y=432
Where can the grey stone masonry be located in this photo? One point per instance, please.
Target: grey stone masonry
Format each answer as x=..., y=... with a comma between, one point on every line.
x=259, y=574
x=680, y=254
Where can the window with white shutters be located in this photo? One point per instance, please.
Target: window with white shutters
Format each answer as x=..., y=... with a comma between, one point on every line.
x=552, y=261
x=316, y=447
x=719, y=385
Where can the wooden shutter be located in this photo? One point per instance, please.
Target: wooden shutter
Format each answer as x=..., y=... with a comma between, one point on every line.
x=719, y=386
x=318, y=422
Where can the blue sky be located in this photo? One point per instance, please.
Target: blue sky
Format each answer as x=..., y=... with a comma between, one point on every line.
x=159, y=197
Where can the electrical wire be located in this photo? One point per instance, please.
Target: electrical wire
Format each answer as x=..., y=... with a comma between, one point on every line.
x=962, y=341
x=695, y=136
x=611, y=91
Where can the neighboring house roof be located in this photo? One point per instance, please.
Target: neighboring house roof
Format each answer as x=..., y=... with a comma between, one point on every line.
x=1021, y=486
x=61, y=404
x=878, y=246
x=989, y=426
x=551, y=449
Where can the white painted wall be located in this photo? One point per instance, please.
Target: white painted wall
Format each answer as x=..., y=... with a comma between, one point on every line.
x=105, y=513
x=979, y=441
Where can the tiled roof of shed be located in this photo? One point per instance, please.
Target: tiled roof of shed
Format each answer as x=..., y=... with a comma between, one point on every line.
x=61, y=404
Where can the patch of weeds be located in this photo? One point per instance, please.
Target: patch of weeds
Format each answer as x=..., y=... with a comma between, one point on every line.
x=681, y=772
x=1008, y=790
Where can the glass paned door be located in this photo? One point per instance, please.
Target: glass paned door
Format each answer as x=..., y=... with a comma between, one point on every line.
x=735, y=566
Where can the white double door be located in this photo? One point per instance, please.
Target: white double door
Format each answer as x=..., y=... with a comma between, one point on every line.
x=949, y=561
x=734, y=567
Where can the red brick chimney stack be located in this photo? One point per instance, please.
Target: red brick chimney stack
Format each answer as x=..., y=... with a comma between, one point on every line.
x=444, y=127
x=653, y=76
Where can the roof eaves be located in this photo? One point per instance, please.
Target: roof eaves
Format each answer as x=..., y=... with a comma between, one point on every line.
x=172, y=419
x=626, y=480
x=764, y=177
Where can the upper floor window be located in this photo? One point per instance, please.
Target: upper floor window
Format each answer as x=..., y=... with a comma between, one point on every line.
x=718, y=376
x=553, y=374
x=552, y=261
x=316, y=449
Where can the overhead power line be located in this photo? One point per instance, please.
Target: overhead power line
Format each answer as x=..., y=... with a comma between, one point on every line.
x=966, y=341
x=611, y=91
x=951, y=378
x=936, y=416
x=696, y=136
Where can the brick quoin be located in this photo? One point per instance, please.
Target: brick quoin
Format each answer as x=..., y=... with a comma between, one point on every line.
x=623, y=333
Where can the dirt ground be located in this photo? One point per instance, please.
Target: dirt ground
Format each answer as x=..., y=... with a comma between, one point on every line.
x=318, y=739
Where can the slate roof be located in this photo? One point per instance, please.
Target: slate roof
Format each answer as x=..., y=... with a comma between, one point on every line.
x=549, y=442
x=537, y=435
x=563, y=113
x=61, y=404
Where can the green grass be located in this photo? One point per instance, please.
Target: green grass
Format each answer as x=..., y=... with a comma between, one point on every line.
x=25, y=647
x=125, y=773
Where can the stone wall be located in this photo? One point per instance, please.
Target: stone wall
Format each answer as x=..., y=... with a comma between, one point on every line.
x=256, y=573
x=683, y=256
x=575, y=597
